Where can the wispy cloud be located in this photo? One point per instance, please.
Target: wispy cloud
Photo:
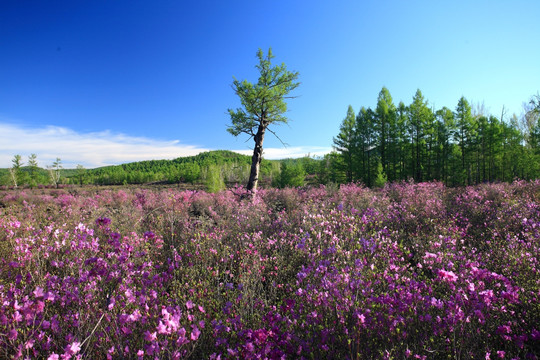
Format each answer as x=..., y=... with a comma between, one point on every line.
x=88, y=149
x=97, y=149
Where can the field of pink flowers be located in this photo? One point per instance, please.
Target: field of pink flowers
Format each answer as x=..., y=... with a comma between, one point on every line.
x=415, y=271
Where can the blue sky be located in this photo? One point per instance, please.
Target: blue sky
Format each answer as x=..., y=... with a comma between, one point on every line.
x=105, y=82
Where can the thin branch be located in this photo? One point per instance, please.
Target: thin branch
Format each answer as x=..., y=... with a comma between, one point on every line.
x=273, y=133
x=93, y=331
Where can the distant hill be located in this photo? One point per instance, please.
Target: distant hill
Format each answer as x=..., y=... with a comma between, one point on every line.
x=231, y=167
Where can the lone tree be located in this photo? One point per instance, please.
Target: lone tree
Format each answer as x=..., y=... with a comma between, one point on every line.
x=263, y=104
x=54, y=171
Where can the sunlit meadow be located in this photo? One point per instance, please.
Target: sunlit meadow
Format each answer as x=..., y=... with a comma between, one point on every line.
x=415, y=271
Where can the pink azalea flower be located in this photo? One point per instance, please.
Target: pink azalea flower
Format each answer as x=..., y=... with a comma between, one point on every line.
x=17, y=316
x=182, y=337
x=38, y=293
x=148, y=336
x=29, y=344
x=448, y=275
x=73, y=348
x=195, y=333
x=250, y=347
x=161, y=328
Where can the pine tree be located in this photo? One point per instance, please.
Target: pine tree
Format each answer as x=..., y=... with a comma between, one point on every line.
x=345, y=143
x=419, y=116
x=263, y=104
x=464, y=136
x=385, y=118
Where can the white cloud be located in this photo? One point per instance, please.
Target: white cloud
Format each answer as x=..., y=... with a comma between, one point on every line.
x=290, y=152
x=88, y=149
x=106, y=148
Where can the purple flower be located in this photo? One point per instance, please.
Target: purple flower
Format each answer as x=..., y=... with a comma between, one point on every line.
x=249, y=347
x=195, y=333
x=149, y=235
x=448, y=275
x=73, y=348
x=38, y=293
x=103, y=221
x=148, y=336
x=182, y=337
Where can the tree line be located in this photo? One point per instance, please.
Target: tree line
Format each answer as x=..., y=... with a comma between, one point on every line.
x=31, y=174
x=214, y=169
x=460, y=146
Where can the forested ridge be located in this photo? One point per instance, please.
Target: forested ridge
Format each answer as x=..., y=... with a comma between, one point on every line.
x=220, y=166
x=232, y=166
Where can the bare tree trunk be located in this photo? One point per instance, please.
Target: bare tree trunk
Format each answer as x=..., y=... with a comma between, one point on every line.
x=13, y=174
x=256, y=159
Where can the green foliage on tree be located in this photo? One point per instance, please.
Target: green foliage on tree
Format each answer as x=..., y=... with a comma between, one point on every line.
x=380, y=177
x=417, y=142
x=33, y=170
x=465, y=135
x=81, y=174
x=291, y=175
x=420, y=116
x=345, y=143
x=367, y=146
x=214, y=179
x=386, y=130
x=263, y=104
x=55, y=171
x=15, y=170
x=180, y=170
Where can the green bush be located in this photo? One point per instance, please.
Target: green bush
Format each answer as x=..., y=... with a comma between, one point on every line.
x=291, y=175
x=214, y=180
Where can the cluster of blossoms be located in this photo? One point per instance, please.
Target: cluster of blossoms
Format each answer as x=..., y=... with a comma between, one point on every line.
x=415, y=271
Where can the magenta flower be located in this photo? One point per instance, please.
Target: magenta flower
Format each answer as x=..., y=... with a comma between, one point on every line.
x=249, y=347
x=148, y=336
x=195, y=333
x=161, y=328
x=29, y=344
x=103, y=221
x=73, y=348
x=38, y=293
x=149, y=235
x=182, y=337
x=448, y=275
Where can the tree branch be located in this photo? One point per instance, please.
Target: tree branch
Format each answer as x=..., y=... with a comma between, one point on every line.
x=273, y=133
